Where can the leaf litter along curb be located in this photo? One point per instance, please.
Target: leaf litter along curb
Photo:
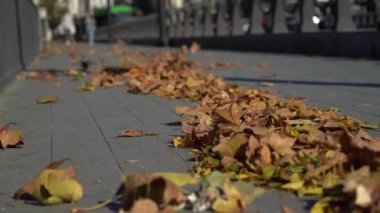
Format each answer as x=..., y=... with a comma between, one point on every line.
x=255, y=135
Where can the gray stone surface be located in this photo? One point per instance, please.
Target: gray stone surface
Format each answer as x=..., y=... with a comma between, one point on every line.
x=83, y=125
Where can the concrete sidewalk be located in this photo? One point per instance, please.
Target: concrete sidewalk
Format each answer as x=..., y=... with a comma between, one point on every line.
x=83, y=125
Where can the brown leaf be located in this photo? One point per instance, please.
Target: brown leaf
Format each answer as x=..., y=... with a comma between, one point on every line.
x=233, y=147
x=231, y=114
x=131, y=133
x=253, y=145
x=144, y=205
x=283, y=145
x=10, y=138
x=265, y=155
x=361, y=149
x=185, y=110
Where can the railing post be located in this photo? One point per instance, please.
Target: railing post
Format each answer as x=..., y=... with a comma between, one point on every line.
x=19, y=35
x=164, y=40
x=109, y=22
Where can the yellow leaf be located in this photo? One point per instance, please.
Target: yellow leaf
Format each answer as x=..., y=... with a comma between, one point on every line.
x=184, y=110
x=177, y=142
x=66, y=189
x=53, y=185
x=268, y=172
x=47, y=100
x=87, y=88
x=310, y=190
x=296, y=185
x=321, y=205
x=233, y=201
x=180, y=179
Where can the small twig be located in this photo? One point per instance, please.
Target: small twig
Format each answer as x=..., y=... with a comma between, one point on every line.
x=91, y=208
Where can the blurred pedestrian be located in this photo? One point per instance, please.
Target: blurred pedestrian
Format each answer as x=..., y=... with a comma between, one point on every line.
x=45, y=31
x=246, y=7
x=90, y=29
x=67, y=27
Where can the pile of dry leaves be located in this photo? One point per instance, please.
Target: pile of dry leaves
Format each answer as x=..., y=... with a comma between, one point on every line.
x=262, y=138
x=254, y=136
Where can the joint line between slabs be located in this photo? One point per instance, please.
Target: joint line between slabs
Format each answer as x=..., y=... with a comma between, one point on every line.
x=102, y=133
x=51, y=130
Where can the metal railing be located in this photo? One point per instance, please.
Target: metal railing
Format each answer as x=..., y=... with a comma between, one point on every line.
x=322, y=27
x=19, y=36
x=255, y=17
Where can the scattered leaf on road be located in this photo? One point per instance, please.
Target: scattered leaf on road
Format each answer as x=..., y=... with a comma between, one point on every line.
x=10, y=138
x=53, y=185
x=47, y=100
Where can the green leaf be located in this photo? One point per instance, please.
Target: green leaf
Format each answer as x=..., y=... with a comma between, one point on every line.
x=268, y=172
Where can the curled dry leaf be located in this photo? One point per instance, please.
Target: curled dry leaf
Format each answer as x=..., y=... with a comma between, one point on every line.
x=47, y=100
x=53, y=185
x=10, y=138
x=135, y=133
x=131, y=133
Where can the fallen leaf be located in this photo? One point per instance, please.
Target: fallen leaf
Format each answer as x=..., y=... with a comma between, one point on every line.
x=87, y=88
x=53, y=185
x=10, y=138
x=232, y=147
x=321, y=205
x=47, y=100
x=282, y=145
x=180, y=179
x=144, y=205
x=131, y=133
x=177, y=142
